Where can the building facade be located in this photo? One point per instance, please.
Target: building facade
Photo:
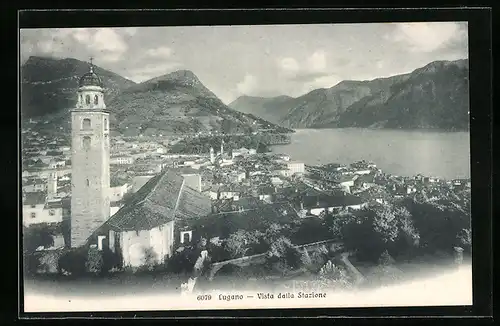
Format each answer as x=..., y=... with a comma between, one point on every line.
x=295, y=167
x=37, y=209
x=90, y=160
x=122, y=160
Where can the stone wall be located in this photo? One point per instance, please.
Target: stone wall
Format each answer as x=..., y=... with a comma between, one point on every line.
x=134, y=244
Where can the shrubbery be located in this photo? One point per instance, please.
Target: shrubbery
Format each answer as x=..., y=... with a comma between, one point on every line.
x=404, y=229
x=94, y=261
x=73, y=262
x=81, y=261
x=332, y=276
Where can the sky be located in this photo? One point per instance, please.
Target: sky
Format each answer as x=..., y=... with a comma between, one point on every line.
x=257, y=60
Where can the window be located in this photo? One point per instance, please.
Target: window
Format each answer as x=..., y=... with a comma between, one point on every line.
x=33, y=206
x=52, y=212
x=106, y=124
x=86, y=124
x=81, y=98
x=33, y=215
x=96, y=99
x=86, y=142
x=88, y=182
x=87, y=99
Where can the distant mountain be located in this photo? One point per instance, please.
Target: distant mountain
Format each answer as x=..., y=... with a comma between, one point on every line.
x=178, y=103
x=48, y=85
x=433, y=97
x=272, y=109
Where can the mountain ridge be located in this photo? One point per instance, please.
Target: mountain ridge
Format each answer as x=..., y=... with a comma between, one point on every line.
x=173, y=103
x=49, y=84
x=374, y=103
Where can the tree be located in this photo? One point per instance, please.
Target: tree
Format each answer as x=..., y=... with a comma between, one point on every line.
x=36, y=236
x=332, y=276
x=385, y=259
x=202, y=244
x=464, y=239
x=110, y=260
x=273, y=232
x=359, y=235
x=94, y=262
x=409, y=237
x=385, y=224
x=283, y=256
x=216, y=249
x=338, y=222
x=319, y=257
x=73, y=262
x=31, y=263
x=150, y=258
x=238, y=243
x=183, y=262
x=439, y=222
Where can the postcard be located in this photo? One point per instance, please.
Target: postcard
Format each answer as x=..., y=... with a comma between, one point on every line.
x=245, y=167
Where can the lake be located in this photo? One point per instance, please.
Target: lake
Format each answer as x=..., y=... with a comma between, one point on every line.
x=406, y=153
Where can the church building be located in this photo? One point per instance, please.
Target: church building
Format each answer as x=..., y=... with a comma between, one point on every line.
x=144, y=227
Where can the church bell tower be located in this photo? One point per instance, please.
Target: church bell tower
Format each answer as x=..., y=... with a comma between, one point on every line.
x=90, y=159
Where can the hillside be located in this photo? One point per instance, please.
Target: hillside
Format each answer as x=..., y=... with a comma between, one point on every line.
x=434, y=96
x=48, y=85
x=177, y=103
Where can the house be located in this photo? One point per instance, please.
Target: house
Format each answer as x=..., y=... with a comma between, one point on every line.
x=365, y=181
x=295, y=167
x=275, y=181
x=121, y=160
x=266, y=193
x=114, y=207
x=34, y=185
x=363, y=165
x=37, y=209
x=57, y=164
x=236, y=176
x=315, y=205
x=362, y=171
x=240, y=152
x=283, y=157
x=226, y=162
x=410, y=189
x=145, y=224
x=229, y=191
x=116, y=193
x=346, y=181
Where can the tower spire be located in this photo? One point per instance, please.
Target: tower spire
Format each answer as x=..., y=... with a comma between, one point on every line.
x=91, y=64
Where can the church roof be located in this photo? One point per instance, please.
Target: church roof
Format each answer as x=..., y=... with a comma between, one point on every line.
x=334, y=200
x=162, y=199
x=34, y=198
x=90, y=79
